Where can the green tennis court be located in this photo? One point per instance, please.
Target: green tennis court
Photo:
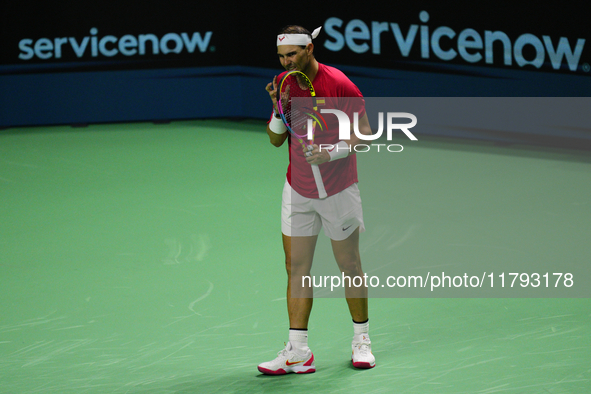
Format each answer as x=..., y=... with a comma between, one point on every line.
x=143, y=258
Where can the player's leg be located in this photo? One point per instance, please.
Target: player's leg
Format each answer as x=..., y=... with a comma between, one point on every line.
x=348, y=258
x=343, y=222
x=297, y=356
x=346, y=253
x=300, y=228
x=299, y=253
x=342, y=219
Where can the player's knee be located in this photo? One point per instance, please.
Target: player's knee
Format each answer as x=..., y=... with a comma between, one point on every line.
x=297, y=269
x=351, y=267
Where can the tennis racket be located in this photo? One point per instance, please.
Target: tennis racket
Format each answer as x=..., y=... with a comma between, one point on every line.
x=297, y=84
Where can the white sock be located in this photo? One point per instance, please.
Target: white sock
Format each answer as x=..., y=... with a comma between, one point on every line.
x=299, y=340
x=361, y=330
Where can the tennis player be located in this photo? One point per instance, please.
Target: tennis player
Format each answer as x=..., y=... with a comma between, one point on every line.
x=304, y=213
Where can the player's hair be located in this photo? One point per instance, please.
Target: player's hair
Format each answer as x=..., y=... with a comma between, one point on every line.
x=295, y=29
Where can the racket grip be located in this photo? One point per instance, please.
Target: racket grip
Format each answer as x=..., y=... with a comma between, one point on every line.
x=319, y=183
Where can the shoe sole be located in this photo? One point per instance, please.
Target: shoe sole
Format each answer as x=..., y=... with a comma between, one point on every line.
x=363, y=365
x=282, y=371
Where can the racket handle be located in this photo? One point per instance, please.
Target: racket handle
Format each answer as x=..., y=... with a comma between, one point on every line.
x=319, y=183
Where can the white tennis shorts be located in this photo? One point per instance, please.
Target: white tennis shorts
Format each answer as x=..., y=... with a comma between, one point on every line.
x=339, y=214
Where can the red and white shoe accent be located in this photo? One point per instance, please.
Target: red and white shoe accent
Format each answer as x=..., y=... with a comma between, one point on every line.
x=362, y=356
x=289, y=361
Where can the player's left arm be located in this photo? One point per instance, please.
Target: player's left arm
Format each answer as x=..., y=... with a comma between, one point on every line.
x=322, y=156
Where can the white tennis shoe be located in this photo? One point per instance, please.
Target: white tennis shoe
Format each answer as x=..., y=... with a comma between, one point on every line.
x=289, y=361
x=362, y=356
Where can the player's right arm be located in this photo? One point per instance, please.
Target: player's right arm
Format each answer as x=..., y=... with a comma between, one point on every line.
x=275, y=139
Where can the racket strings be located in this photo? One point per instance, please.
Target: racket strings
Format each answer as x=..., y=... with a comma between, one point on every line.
x=301, y=83
x=294, y=110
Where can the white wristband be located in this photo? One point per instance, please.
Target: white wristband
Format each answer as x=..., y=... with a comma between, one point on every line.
x=277, y=126
x=340, y=150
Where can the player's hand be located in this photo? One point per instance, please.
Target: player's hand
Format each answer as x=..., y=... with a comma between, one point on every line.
x=316, y=156
x=271, y=88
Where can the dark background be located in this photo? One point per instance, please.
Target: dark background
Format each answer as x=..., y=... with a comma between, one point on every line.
x=228, y=79
x=243, y=40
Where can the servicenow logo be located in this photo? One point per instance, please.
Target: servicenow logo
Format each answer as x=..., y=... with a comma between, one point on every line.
x=109, y=46
x=447, y=44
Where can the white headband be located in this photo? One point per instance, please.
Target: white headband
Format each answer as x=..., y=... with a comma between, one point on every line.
x=297, y=39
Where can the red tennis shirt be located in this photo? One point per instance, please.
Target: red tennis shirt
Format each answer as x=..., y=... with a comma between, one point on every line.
x=334, y=91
